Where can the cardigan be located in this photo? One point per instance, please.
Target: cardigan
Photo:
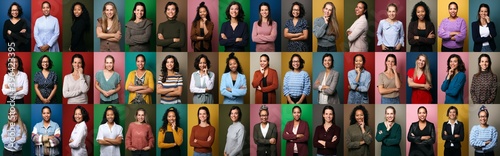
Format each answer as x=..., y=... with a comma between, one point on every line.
x=331, y=91
x=230, y=44
x=148, y=81
x=262, y=142
x=171, y=29
x=264, y=36
x=454, y=89
x=109, y=46
x=272, y=83
x=330, y=147
x=207, y=38
x=238, y=89
x=137, y=35
x=450, y=137
x=357, y=38
x=481, y=91
x=390, y=139
x=479, y=40
x=354, y=136
x=422, y=44
x=291, y=138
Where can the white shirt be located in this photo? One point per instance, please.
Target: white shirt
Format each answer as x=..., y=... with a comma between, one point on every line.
x=206, y=82
x=294, y=130
x=484, y=31
x=78, y=135
x=264, y=130
x=323, y=98
x=20, y=80
x=106, y=132
x=452, y=129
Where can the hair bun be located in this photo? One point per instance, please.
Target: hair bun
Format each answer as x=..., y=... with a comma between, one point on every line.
x=263, y=107
x=231, y=55
x=202, y=4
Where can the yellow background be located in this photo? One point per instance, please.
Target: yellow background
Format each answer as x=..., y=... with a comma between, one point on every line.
x=243, y=58
x=285, y=58
x=463, y=114
x=317, y=11
x=193, y=120
x=463, y=12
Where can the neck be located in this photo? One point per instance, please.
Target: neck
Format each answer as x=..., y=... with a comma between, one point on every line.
x=453, y=17
x=46, y=122
x=328, y=123
x=234, y=20
x=296, y=70
x=264, y=19
x=296, y=121
x=422, y=121
x=484, y=125
x=16, y=18
x=328, y=69
x=453, y=120
x=110, y=123
x=170, y=72
x=233, y=72
x=263, y=123
x=141, y=69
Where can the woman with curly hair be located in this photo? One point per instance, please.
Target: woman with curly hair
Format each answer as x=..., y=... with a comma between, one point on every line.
x=234, y=33
x=81, y=25
x=202, y=30
x=483, y=88
x=170, y=81
x=170, y=133
x=359, y=138
x=454, y=83
x=421, y=31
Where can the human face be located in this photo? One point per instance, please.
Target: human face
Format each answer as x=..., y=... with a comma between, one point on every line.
x=45, y=63
x=389, y=115
x=202, y=12
x=139, y=62
x=358, y=62
x=234, y=10
x=77, y=63
x=453, y=9
x=483, y=12
x=233, y=65
x=170, y=11
x=421, y=13
x=421, y=62
x=202, y=115
x=360, y=116
x=296, y=11
x=78, y=116
x=453, y=63
x=109, y=11
x=264, y=116
x=484, y=64
x=14, y=11
x=328, y=116
x=203, y=63
x=422, y=114
x=110, y=116
x=264, y=11
x=13, y=117
x=327, y=62
x=15, y=62
x=483, y=119
x=140, y=116
x=139, y=11
x=234, y=115
x=391, y=12
x=296, y=62
x=263, y=62
x=452, y=115
x=170, y=64
x=77, y=10
x=109, y=64
x=390, y=62
x=327, y=10
x=171, y=117
x=46, y=9
x=296, y=114
x=360, y=9
x=46, y=115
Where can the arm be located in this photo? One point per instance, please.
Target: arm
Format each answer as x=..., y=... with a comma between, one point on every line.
x=456, y=84
x=38, y=40
x=150, y=137
x=431, y=140
x=161, y=137
x=366, y=83
x=256, y=37
x=178, y=136
x=287, y=132
x=394, y=140
x=351, y=144
x=493, y=143
x=473, y=138
x=319, y=28
x=118, y=140
x=222, y=88
x=381, y=134
x=204, y=143
x=286, y=90
x=493, y=91
x=53, y=39
x=257, y=77
x=140, y=39
x=329, y=143
x=164, y=41
x=23, y=91
x=401, y=34
x=358, y=29
x=448, y=136
x=275, y=85
x=463, y=32
x=475, y=33
x=239, y=144
x=412, y=137
x=241, y=88
x=182, y=37
x=79, y=136
x=192, y=86
x=6, y=81
x=316, y=144
x=53, y=92
x=367, y=136
x=379, y=32
x=493, y=30
x=272, y=36
x=191, y=138
x=228, y=41
x=307, y=85
x=78, y=33
x=305, y=138
x=101, y=34
x=351, y=77
x=128, y=138
x=257, y=139
x=67, y=91
x=53, y=142
x=149, y=82
x=461, y=132
x=443, y=33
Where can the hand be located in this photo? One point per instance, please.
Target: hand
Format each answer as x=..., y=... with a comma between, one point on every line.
x=173, y=126
x=70, y=140
x=239, y=39
x=384, y=47
x=177, y=40
x=416, y=37
x=258, y=88
x=361, y=142
x=223, y=36
x=487, y=142
x=349, y=32
x=243, y=87
x=272, y=141
x=487, y=18
x=8, y=32
x=456, y=136
x=454, y=33
x=450, y=72
x=80, y=71
x=445, y=133
x=225, y=154
x=6, y=86
x=195, y=140
x=209, y=138
x=394, y=68
x=334, y=138
x=358, y=70
x=322, y=142
x=324, y=87
x=326, y=18
x=425, y=137
x=19, y=88
x=398, y=46
x=228, y=89
x=19, y=138
x=299, y=135
x=23, y=31
x=427, y=86
x=204, y=19
x=453, y=38
x=118, y=35
x=431, y=35
x=146, y=148
x=361, y=124
x=160, y=36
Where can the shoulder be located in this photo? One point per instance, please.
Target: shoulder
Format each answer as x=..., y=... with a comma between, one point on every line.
x=52, y=123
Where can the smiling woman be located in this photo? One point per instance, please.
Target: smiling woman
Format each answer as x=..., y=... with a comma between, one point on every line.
x=15, y=30
x=109, y=28
x=76, y=84
x=46, y=31
x=171, y=33
x=138, y=29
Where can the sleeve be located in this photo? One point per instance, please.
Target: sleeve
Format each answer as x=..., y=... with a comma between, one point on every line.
x=381, y=134
x=379, y=32
x=286, y=90
x=397, y=137
x=401, y=34
x=366, y=84
x=319, y=28
x=476, y=37
x=463, y=32
x=223, y=87
x=55, y=35
x=473, y=138
x=256, y=37
x=411, y=34
x=228, y=41
x=442, y=32
x=79, y=136
x=287, y=132
x=128, y=137
x=209, y=80
x=307, y=84
x=84, y=83
x=493, y=143
x=336, y=132
x=448, y=137
x=358, y=30
x=6, y=37
x=191, y=138
x=100, y=136
x=150, y=80
x=130, y=80
x=412, y=137
x=473, y=94
x=239, y=146
x=182, y=37
x=69, y=89
x=305, y=138
x=6, y=81
x=57, y=137
x=192, y=85
x=351, y=144
x=165, y=41
x=351, y=77
x=178, y=136
x=193, y=35
x=316, y=144
x=256, y=136
x=38, y=39
x=273, y=35
x=257, y=77
x=210, y=28
x=128, y=38
x=204, y=143
x=6, y=140
x=77, y=34
x=367, y=135
x=456, y=85
x=241, y=89
x=142, y=38
x=493, y=30
x=161, y=137
x=333, y=85
x=432, y=140
x=25, y=81
x=461, y=132
x=493, y=91
x=35, y=137
x=317, y=83
x=244, y=35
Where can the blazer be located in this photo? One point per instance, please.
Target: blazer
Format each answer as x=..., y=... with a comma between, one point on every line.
x=450, y=137
x=332, y=80
x=419, y=146
x=357, y=39
x=264, y=148
x=478, y=40
x=291, y=138
x=423, y=44
x=272, y=84
x=238, y=90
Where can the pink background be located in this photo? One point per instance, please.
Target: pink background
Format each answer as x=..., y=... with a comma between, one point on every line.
x=213, y=8
x=442, y=72
x=412, y=116
x=119, y=67
x=274, y=117
x=380, y=67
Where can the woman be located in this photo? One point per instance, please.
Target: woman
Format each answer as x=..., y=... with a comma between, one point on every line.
x=389, y=133
x=296, y=134
x=484, y=31
x=264, y=30
x=483, y=137
x=359, y=81
x=265, y=82
x=454, y=83
x=235, y=133
x=326, y=83
x=356, y=34
x=359, y=138
x=265, y=134
x=296, y=28
x=234, y=33
x=46, y=31
x=202, y=135
x=202, y=81
x=296, y=84
x=452, y=133
x=233, y=83
x=79, y=133
x=422, y=135
x=170, y=133
x=326, y=29
x=81, y=25
x=138, y=29
x=109, y=29
x=13, y=137
x=107, y=82
x=16, y=77
x=481, y=89
x=202, y=29
x=46, y=140
x=76, y=85
x=421, y=31
x=453, y=30
x=388, y=81
x=171, y=33
x=327, y=135
x=110, y=134
x=45, y=81
x=16, y=30
x=140, y=83
x=390, y=33
x=170, y=81
x=419, y=79
x=139, y=138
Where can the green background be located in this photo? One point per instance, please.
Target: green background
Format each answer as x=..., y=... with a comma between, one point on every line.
x=182, y=109
x=245, y=4
x=56, y=67
x=306, y=115
x=150, y=65
x=150, y=14
x=98, y=113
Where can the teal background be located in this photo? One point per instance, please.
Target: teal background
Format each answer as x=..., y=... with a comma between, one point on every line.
x=98, y=5
x=56, y=67
x=338, y=64
x=182, y=109
x=245, y=4
x=306, y=115
x=473, y=12
x=98, y=115
x=150, y=65
x=150, y=14
x=24, y=111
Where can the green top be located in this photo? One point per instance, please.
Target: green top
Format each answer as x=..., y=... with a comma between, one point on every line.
x=171, y=29
x=390, y=139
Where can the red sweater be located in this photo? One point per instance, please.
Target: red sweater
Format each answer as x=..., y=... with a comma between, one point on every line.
x=201, y=135
x=139, y=136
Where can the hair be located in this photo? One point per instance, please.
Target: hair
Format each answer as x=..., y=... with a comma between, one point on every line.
x=395, y=60
x=353, y=114
x=365, y=7
x=263, y=108
x=80, y=57
x=241, y=13
x=450, y=108
x=460, y=66
x=427, y=70
x=104, y=19
x=112, y=58
x=302, y=62
x=19, y=62
x=143, y=57
x=333, y=26
x=302, y=10
x=135, y=7
x=231, y=56
x=176, y=9
x=47, y=3
x=39, y=63
x=208, y=114
x=145, y=115
x=478, y=10
x=422, y=107
x=198, y=17
x=483, y=109
x=333, y=111
x=327, y=55
x=85, y=16
x=451, y=3
x=85, y=114
x=393, y=109
x=427, y=16
x=300, y=109
x=164, y=126
x=164, y=70
x=362, y=58
x=46, y=107
x=392, y=5
x=488, y=69
x=115, y=112
x=19, y=10
x=18, y=122
x=198, y=60
x=267, y=58
x=239, y=112
x=269, y=18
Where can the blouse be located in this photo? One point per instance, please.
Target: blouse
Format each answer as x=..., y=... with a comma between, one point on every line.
x=171, y=29
x=422, y=44
x=320, y=29
x=139, y=136
x=20, y=80
x=353, y=138
x=447, y=26
x=387, y=82
x=419, y=95
x=268, y=86
x=172, y=81
x=357, y=38
x=481, y=89
x=12, y=145
x=78, y=136
x=46, y=32
x=389, y=34
x=230, y=44
x=479, y=135
x=264, y=36
x=358, y=91
x=137, y=35
x=454, y=89
x=296, y=84
x=109, y=46
x=147, y=81
x=76, y=90
x=234, y=141
x=109, y=132
x=169, y=141
x=45, y=85
x=198, y=86
x=297, y=28
x=108, y=84
x=389, y=138
x=38, y=135
x=238, y=88
x=196, y=31
x=21, y=41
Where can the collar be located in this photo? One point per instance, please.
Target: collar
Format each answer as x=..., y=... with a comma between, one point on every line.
x=456, y=122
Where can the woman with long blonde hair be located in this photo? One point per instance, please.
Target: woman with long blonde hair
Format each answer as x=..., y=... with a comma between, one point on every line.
x=13, y=145
x=109, y=28
x=419, y=79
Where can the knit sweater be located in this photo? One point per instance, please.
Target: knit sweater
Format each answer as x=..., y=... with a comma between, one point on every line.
x=137, y=35
x=320, y=31
x=201, y=134
x=171, y=29
x=482, y=90
x=139, y=136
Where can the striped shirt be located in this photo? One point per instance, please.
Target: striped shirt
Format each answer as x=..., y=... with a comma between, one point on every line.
x=296, y=84
x=172, y=81
x=478, y=137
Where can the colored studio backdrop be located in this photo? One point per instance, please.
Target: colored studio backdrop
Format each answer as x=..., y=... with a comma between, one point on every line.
x=474, y=69
x=192, y=118
x=412, y=116
x=99, y=13
x=399, y=118
x=411, y=59
x=26, y=6
x=274, y=63
x=348, y=110
x=56, y=10
x=68, y=125
x=337, y=65
x=453, y=83
x=25, y=115
x=214, y=67
x=73, y=31
x=182, y=66
x=119, y=68
x=432, y=4
x=150, y=13
x=381, y=14
x=380, y=66
x=473, y=17
x=57, y=63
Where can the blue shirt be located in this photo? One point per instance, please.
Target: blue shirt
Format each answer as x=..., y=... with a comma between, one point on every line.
x=296, y=84
x=238, y=89
x=454, y=89
x=359, y=96
x=46, y=31
x=478, y=137
x=389, y=34
x=241, y=31
x=9, y=142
